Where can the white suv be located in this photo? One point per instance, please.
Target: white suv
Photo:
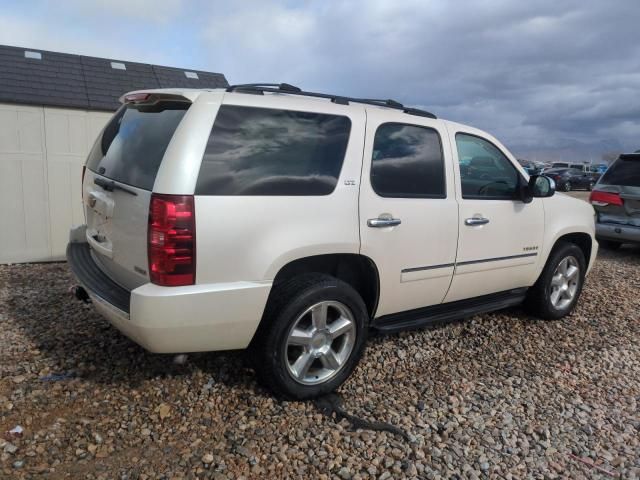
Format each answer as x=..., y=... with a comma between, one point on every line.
x=291, y=223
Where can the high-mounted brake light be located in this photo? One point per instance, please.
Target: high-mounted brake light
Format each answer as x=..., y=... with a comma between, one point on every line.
x=602, y=199
x=172, y=240
x=137, y=97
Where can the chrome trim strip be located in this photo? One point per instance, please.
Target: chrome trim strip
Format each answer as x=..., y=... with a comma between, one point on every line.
x=469, y=262
x=497, y=259
x=431, y=267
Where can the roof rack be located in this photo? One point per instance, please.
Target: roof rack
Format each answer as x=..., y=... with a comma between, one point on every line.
x=260, y=88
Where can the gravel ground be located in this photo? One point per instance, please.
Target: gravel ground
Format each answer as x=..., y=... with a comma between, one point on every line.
x=497, y=396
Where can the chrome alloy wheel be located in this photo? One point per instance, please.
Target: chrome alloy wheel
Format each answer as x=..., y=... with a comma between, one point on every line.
x=320, y=342
x=564, y=282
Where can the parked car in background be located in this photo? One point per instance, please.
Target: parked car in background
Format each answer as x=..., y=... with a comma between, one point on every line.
x=568, y=179
x=585, y=167
x=582, y=167
x=616, y=200
x=292, y=223
x=532, y=168
x=599, y=168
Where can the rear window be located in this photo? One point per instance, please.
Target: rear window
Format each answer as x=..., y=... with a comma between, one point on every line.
x=623, y=172
x=407, y=162
x=131, y=146
x=261, y=151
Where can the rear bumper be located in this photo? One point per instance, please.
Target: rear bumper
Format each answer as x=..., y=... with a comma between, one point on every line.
x=618, y=232
x=195, y=318
x=94, y=280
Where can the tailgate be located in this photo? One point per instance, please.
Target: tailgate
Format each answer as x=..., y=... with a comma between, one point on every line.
x=117, y=229
x=621, y=179
x=626, y=214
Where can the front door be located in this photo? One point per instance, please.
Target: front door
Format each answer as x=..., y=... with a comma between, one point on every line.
x=500, y=236
x=408, y=210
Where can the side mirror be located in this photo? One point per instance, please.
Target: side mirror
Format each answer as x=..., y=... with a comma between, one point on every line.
x=541, y=186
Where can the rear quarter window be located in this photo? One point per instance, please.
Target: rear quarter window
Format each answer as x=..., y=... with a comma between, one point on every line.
x=131, y=147
x=262, y=151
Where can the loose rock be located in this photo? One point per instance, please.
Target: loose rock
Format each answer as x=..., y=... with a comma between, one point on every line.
x=499, y=394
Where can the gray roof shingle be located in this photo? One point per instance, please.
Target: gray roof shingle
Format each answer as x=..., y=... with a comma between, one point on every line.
x=67, y=80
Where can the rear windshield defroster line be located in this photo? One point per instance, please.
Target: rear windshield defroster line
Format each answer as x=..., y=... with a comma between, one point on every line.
x=131, y=147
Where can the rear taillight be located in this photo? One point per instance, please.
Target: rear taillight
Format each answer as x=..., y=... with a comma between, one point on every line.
x=172, y=240
x=602, y=199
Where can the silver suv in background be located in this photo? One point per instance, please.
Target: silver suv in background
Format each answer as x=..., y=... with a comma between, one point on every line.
x=616, y=199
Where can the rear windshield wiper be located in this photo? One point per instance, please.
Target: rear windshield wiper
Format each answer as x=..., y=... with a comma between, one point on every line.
x=110, y=186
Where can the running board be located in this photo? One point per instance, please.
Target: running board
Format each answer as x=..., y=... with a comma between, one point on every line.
x=448, y=312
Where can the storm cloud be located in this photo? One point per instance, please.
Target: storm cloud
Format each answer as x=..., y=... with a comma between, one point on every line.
x=551, y=79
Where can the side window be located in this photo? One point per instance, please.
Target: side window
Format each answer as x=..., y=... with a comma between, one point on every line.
x=407, y=162
x=263, y=151
x=485, y=172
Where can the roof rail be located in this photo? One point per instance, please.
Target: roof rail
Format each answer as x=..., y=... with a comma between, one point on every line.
x=260, y=88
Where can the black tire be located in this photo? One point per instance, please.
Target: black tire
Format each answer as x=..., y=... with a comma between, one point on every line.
x=538, y=301
x=287, y=302
x=609, y=244
x=566, y=187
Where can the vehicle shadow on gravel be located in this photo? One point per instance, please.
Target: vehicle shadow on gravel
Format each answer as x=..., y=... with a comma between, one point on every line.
x=78, y=343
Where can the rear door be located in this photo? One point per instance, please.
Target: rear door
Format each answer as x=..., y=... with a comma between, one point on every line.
x=622, y=178
x=408, y=210
x=120, y=174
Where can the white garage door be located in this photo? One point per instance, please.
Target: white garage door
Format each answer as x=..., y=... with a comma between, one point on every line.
x=42, y=151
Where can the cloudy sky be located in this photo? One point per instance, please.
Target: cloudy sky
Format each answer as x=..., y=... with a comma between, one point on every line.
x=553, y=79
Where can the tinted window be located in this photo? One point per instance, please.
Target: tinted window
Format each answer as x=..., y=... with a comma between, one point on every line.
x=623, y=172
x=407, y=162
x=485, y=172
x=131, y=146
x=260, y=151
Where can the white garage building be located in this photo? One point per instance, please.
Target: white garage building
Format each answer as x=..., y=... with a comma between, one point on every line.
x=52, y=107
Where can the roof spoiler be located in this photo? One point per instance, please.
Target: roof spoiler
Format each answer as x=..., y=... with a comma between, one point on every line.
x=150, y=98
x=630, y=156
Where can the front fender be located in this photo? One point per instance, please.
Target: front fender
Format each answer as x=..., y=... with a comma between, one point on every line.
x=565, y=215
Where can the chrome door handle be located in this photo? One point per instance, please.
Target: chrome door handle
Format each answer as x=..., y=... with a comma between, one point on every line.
x=473, y=221
x=382, y=222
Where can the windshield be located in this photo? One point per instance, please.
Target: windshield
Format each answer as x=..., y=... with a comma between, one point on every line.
x=131, y=147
